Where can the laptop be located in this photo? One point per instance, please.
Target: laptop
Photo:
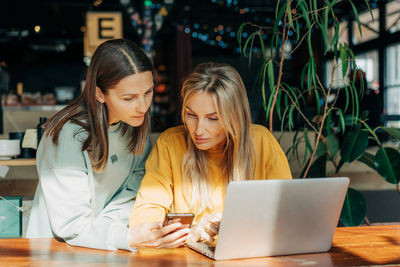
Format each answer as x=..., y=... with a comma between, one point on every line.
x=277, y=217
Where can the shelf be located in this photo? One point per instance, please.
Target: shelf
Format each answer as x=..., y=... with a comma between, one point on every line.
x=18, y=162
x=33, y=107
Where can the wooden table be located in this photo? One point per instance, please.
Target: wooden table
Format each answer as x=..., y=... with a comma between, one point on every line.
x=352, y=246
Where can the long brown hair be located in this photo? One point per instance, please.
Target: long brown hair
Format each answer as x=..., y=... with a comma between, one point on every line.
x=112, y=61
x=227, y=89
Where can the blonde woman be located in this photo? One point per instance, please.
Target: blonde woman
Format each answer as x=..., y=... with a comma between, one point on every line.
x=189, y=168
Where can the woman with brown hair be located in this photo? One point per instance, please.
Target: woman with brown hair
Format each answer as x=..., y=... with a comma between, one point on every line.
x=91, y=158
x=189, y=168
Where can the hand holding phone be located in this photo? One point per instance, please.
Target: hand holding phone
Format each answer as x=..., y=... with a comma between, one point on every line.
x=185, y=219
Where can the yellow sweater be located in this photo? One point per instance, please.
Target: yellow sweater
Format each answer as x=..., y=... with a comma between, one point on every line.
x=162, y=189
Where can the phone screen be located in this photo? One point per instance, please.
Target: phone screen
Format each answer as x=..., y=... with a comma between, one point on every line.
x=184, y=218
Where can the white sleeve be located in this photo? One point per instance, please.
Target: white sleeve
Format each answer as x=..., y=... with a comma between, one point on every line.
x=121, y=204
x=66, y=187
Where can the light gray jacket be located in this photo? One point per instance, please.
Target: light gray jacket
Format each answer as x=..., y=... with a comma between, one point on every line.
x=74, y=204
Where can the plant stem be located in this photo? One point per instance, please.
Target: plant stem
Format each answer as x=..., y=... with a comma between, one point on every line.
x=302, y=39
x=319, y=132
x=285, y=36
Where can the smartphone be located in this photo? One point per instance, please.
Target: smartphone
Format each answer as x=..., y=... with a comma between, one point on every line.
x=185, y=219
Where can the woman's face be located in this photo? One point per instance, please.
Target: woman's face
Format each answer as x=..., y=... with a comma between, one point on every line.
x=129, y=100
x=203, y=123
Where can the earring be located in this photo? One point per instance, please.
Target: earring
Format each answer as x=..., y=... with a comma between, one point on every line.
x=98, y=99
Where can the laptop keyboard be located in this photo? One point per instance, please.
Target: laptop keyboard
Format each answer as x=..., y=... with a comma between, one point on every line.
x=204, y=248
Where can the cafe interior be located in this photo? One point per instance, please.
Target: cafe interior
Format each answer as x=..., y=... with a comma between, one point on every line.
x=46, y=47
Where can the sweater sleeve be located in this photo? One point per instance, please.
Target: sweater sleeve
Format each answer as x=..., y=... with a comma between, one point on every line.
x=67, y=186
x=155, y=195
x=275, y=162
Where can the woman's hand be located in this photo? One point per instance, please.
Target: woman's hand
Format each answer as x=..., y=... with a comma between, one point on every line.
x=154, y=235
x=206, y=228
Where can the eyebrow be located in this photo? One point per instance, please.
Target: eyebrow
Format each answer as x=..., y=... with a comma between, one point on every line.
x=151, y=88
x=209, y=114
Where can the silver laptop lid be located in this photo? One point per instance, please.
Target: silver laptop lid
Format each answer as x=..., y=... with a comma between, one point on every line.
x=280, y=217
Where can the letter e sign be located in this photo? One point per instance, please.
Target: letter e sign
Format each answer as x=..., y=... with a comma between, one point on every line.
x=100, y=27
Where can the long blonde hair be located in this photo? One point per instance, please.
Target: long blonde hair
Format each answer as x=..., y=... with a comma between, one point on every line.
x=226, y=87
x=112, y=61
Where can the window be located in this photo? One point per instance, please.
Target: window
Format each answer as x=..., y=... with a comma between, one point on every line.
x=369, y=27
x=338, y=79
x=368, y=62
x=392, y=96
x=393, y=16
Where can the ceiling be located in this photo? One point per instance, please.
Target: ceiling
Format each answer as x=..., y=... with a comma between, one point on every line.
x=61, y=21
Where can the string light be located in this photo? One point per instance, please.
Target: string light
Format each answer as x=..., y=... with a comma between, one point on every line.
x=218, y=38
x=234, y=4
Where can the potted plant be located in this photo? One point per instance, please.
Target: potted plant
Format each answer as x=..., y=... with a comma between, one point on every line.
x=341, y=132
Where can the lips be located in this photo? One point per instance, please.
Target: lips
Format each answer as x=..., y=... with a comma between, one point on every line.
x=138, y=117
x=201, y=140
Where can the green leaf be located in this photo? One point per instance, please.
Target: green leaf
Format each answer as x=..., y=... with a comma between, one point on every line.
x=387, y=163
x=324, y=37
x=339, y=166
x=354, y=145
x=309, y=44
x=321, y=150
x=333, y=144
x=291, y=123
x=251, y=38
x=262, y=46
x=349, y=120
x=313, y=70
x=286, y=100
x=292, y=91
x=307, y=146
x=352, y=101
x=307, y=140
x=278, y=104
x=343, y=57
x=317, y=98
x=356, y=16
x=318, y=167
x=269, y=105
x=264, y=70
x=341, y=121
x=283, y=116
x=305, y=14
x=393, y=132
x=309, y=77
x=346, y=90
x=314, y=10
x=277, y=8
x=239, y=35
x=370, y=10
x=272, y=89
x=297, y=30
x=335, y=38
x=279, y=16
x=356, y=104
x=271, y=77
x=325, y=26
x=368, y=159
x=354, y=208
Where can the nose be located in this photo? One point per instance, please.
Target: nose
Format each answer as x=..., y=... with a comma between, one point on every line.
x=200, y=127
x=141, y=105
